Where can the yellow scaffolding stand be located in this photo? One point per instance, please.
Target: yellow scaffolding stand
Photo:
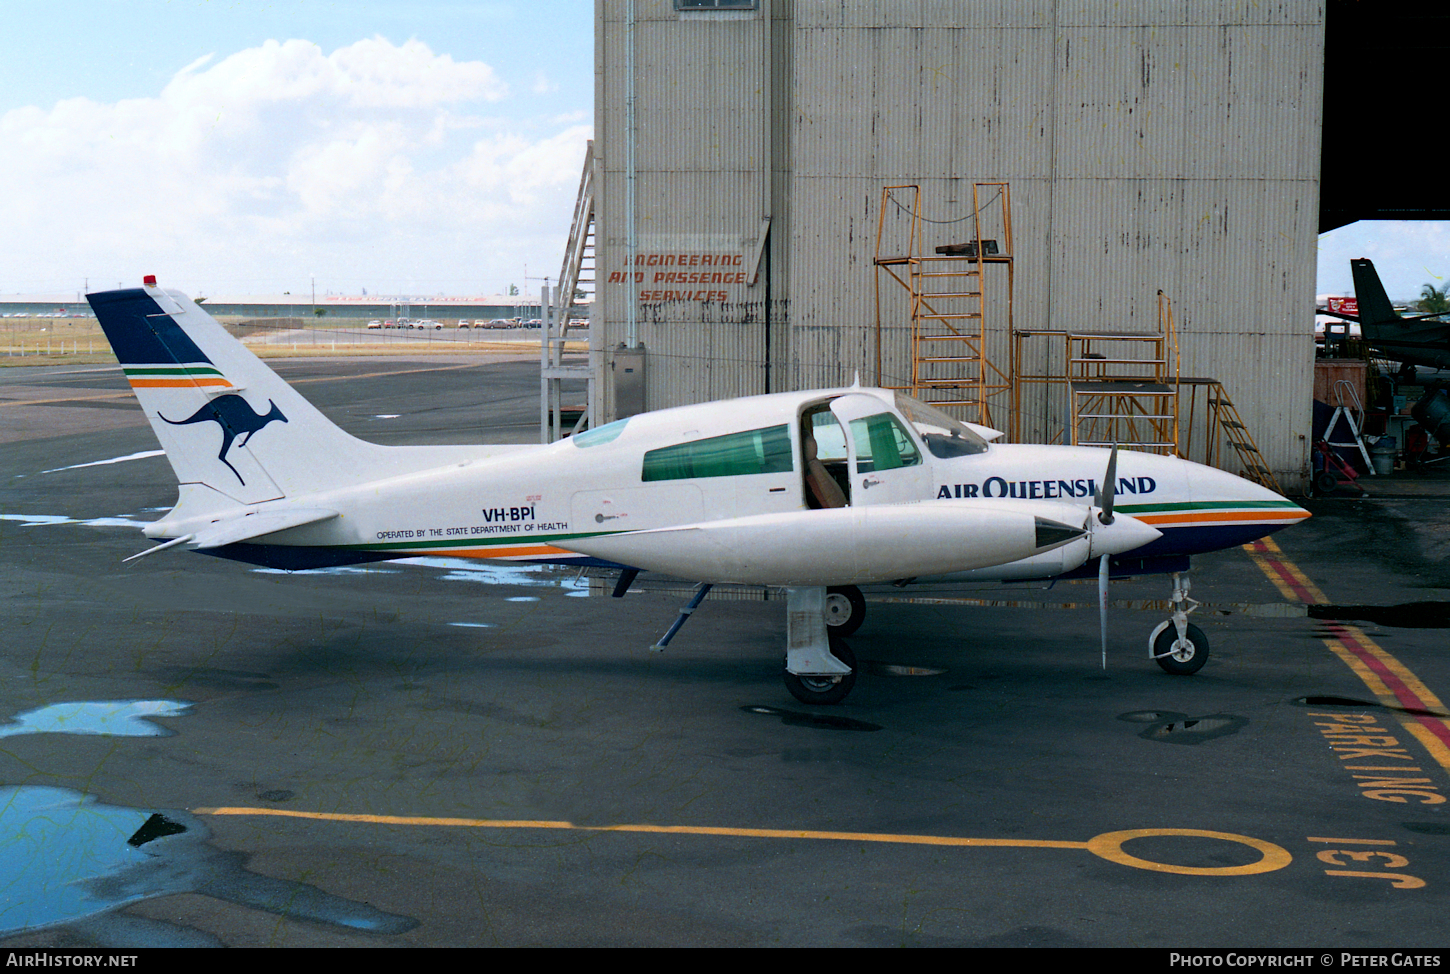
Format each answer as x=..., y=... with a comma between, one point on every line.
x=1120, y=387
x=950, y=366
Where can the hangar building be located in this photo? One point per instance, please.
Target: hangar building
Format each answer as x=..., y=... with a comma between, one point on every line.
x=1078, y=158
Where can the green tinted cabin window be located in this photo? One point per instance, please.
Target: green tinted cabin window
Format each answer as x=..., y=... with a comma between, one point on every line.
x=735, y=455
x=881, y=444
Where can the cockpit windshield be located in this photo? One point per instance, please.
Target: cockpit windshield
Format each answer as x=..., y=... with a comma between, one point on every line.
x=945, y=436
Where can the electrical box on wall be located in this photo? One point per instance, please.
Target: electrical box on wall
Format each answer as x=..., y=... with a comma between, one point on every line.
x=627, y=367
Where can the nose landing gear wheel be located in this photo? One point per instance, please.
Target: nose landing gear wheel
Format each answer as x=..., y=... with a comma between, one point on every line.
x=817, y=690
x=845, y=609
x=1181, y=659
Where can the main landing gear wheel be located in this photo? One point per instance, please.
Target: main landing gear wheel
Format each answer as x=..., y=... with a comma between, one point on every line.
x=845, y=609
x=1180, y=659
x=825, y=689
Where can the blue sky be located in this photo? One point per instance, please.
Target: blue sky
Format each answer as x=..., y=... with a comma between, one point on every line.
x=422, y=147
x=243, y=147
x=1407, y=255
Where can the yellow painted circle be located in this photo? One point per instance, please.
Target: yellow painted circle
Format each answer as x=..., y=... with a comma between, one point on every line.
x=1109, y=846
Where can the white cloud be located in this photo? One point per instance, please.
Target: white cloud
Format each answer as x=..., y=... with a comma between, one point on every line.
x=242, y=166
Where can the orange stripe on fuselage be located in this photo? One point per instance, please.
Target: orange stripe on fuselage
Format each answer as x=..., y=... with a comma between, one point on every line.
x=177, y=383
x=496, y=552
x=1283, y=517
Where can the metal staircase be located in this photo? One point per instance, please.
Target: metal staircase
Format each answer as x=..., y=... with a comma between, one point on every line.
x=1222, y=412
x=564, y=305
x=577, y=275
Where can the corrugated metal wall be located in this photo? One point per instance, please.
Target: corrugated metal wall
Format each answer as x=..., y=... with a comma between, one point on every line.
x=1170, y=145
x=700, y=194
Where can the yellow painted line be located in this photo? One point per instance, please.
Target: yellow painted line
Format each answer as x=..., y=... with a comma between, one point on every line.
x=1107, y=846
x=376, y=375
x=1292, y=583
x=42, y=402
x=104, y=396
x=1391, y=682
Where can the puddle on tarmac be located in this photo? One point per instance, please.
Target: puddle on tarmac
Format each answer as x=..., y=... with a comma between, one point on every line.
x=1171, y=727
x=121, y=718
x=69, y=859
x=334, y=570
x=899, y=669
x=1406, y=615
x=484, y=573
x=33, y=520
x=796, y=718
x=1357, y=704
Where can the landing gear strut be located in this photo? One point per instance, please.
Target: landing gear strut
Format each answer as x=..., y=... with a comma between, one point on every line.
x=1177, y=645
x=819, y=667
x=825, y=689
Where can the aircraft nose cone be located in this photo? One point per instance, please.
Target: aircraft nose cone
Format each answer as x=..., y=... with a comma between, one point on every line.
x=1236, y=510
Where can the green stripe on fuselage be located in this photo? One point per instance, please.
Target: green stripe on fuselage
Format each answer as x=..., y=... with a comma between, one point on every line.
x=172, y=370
x=1203, y=506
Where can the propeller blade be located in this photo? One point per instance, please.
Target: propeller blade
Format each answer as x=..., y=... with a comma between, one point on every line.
x=1109, y=489
x=1103, y=499
x=1103, y=605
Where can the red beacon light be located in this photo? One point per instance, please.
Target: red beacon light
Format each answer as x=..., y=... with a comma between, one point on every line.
x=149, y=280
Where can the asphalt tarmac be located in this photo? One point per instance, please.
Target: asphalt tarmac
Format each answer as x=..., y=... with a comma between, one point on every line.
x=444, y=754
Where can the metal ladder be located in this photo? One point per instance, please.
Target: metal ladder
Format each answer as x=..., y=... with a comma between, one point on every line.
x=1341, y=387
x=950, y=366
x=562, y=307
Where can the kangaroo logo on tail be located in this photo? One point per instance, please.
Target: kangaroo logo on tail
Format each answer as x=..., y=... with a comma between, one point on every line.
x=236, y=417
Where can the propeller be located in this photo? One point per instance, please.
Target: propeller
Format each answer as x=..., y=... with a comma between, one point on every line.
x=1106, y=493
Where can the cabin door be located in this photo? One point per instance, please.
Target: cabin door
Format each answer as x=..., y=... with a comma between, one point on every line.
x=885, y=460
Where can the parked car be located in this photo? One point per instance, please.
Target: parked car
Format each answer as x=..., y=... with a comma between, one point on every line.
x=375, y=324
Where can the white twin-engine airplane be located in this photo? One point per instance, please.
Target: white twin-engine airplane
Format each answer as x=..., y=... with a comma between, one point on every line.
x=817, y=492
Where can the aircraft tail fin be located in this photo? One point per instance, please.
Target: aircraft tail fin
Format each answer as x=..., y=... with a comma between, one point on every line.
x=1375, y=310
x=226, y=420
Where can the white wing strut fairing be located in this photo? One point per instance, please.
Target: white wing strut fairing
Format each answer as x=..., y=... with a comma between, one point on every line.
x=801, y=490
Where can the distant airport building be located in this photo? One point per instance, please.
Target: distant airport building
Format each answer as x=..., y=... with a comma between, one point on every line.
x=345, y=306
x=748, y=239
x=373, y=306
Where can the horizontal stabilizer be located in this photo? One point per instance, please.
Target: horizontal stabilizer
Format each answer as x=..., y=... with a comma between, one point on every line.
x=255, y=524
